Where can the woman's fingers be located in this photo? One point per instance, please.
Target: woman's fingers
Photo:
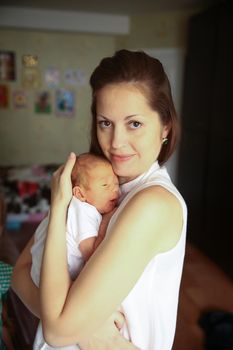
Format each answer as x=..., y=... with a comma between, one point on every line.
x=61, y=182
x=59, y=170
x=66, y=168
x=69, y=164
x=119, y=319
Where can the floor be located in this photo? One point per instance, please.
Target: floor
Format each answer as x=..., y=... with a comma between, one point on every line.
x=204, y=287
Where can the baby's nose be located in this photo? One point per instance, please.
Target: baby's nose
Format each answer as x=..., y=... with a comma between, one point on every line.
x=116, y=189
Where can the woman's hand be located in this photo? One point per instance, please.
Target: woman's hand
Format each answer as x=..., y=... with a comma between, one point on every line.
x=61, y=186
x=108, y=337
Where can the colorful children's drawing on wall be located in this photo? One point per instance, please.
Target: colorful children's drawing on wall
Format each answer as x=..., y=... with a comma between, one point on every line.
x=52, y=77
x=7, y=65
x=20, y=99
x=64, y=102
x=76, y=77
x=31, y=77
x=42, y=102
x=4, y=96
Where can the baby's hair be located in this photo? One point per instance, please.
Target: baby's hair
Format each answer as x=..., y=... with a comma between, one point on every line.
x=84, y=164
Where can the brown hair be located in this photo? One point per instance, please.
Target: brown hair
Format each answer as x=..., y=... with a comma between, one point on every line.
x=148, y=74
x=85, y=163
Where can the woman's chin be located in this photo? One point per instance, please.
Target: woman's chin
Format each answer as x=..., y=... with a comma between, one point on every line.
x=120, y=171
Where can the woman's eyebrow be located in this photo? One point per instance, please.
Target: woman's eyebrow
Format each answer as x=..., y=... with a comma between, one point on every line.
x=126, y=118
x=101, y=116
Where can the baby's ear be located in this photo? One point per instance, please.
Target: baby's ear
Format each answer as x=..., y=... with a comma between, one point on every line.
x=78, y=193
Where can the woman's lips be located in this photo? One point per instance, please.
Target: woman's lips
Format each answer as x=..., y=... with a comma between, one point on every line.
x=121, y=158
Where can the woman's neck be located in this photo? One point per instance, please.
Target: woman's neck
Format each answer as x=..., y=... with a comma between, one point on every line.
x=123, y=180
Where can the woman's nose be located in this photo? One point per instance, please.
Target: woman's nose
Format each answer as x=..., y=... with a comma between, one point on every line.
x=119, y=138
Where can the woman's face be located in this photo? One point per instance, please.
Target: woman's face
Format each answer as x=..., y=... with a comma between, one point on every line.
x=129, y=132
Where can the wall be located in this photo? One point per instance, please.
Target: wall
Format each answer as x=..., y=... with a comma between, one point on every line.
x=161, y=29
x=30, y=138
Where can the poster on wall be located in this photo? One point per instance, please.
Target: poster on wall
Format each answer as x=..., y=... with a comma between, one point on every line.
x=64, y=101
x=7, y=65
x=76, y=77
x=4, y=96
x=19, y=99
x=52, y=77
x=31, y=77
x=81, y=77
x=43, y=102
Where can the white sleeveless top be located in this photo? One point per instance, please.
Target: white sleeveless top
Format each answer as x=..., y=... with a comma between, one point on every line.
x=150, y=308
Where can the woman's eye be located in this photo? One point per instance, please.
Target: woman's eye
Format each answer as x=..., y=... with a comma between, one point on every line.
x=104, y=185
x=104, y=123
x=135, y=124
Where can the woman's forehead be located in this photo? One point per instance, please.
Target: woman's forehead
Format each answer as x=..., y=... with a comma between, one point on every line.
x=117, y=99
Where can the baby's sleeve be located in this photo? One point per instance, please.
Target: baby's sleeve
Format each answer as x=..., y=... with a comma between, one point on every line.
x=83, y=222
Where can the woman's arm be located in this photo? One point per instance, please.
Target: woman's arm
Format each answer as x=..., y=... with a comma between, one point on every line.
x=150, y=223
x=106, y=337
x=22, y=283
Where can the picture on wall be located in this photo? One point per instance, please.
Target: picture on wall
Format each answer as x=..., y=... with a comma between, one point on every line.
x=7, y=65
x=70, y=77
x=75, y=77
x=52, y=77
x=64, y=101
x=43, y=102
x=81, y=77
x=31, y=76
x=4, y=96
x=20, y=99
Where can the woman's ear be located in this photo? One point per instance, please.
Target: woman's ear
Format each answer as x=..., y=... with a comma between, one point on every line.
x=78, y=193
x=166, y=130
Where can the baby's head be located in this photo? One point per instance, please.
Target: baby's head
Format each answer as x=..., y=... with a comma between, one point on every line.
x=94, y=182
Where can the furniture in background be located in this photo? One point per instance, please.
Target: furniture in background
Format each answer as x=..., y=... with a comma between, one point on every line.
x=206, y=149
x=22, y=324
x=5, y=278
x=24, y=201
x=26, y=191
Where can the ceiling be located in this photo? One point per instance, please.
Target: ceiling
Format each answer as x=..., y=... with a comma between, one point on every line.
x=123, y=7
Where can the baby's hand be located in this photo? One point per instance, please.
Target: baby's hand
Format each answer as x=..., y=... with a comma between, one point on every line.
x=105, y=221
x=103, y=226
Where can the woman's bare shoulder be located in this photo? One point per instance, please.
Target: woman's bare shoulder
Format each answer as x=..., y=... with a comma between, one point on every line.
x=159, y=213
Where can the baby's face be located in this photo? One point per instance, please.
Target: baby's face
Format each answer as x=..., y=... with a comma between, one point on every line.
x=103, y=188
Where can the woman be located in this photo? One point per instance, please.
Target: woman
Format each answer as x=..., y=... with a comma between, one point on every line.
x=137, y=269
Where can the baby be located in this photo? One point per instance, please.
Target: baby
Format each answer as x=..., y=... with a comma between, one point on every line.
x=95, y=192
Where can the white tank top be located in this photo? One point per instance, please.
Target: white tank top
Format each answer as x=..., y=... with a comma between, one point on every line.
x=150, y=308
